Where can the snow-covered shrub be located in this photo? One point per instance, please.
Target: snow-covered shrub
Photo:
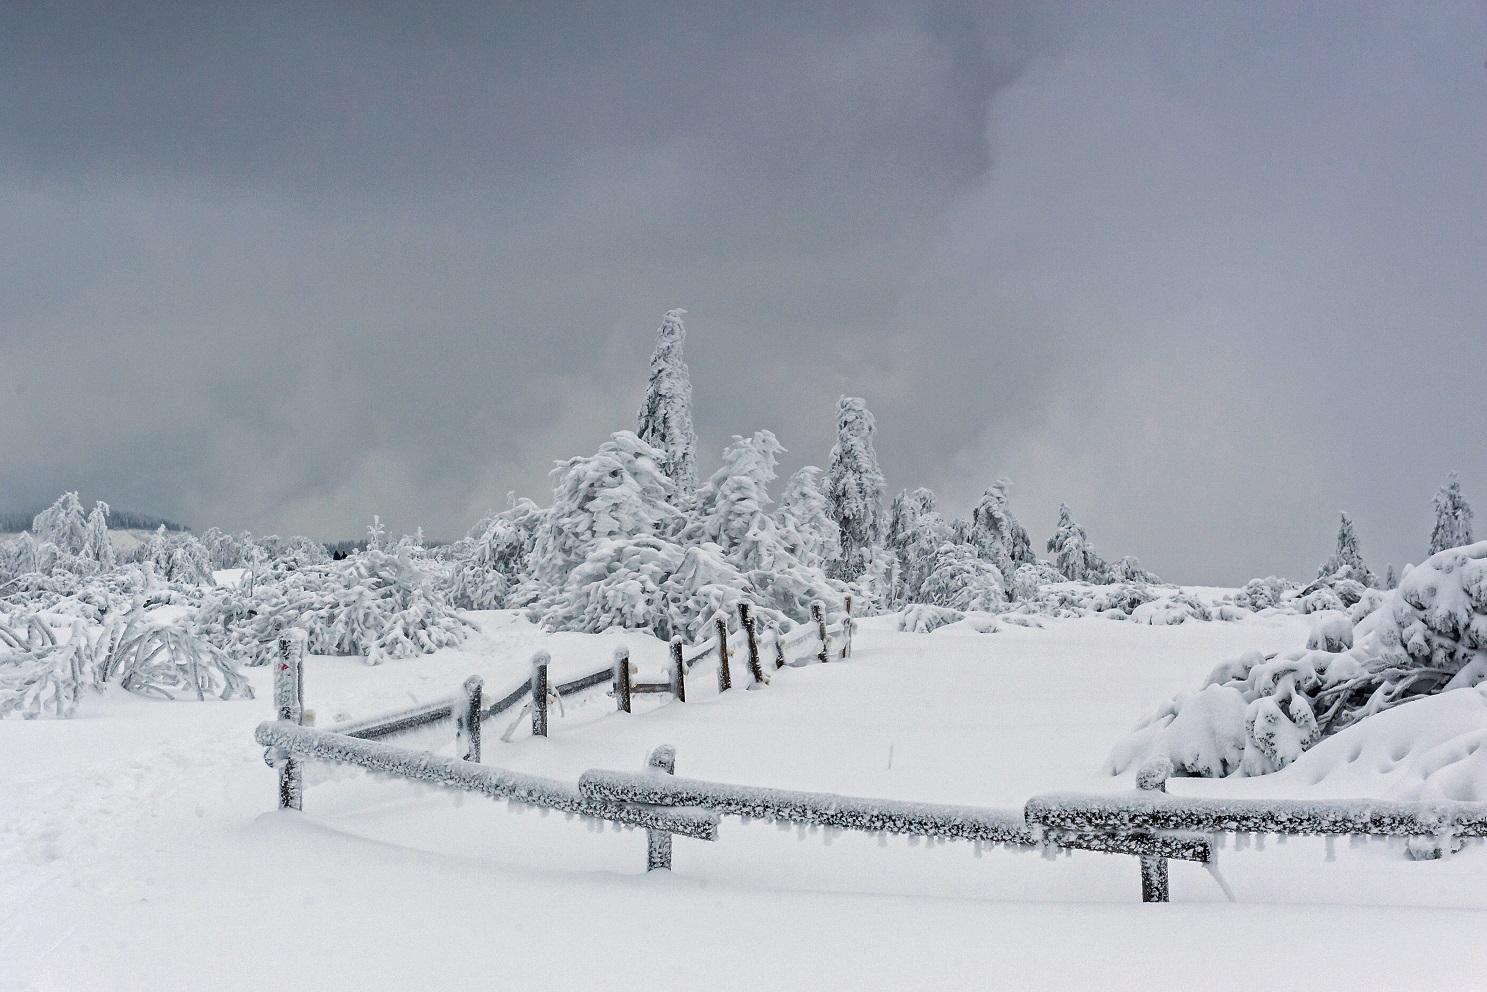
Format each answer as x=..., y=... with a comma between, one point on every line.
x=960, y=579
x=161, y=658
x=922, y=618
x=372, y=604
x=1129, y=569
x=64, y=525
x=1031, y=577
x=39, y=673
x=493, y=559
x=730, y=510
x=1263, y=594
x=1428, y=635
x=177, y=557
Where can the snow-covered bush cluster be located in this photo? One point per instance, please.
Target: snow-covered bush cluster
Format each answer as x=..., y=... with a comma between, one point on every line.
x=1257, y=714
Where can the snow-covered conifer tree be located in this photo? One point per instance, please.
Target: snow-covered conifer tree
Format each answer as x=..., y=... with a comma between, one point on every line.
x=63, y=524
x=960, y=579
x=854, y=487
x=1453, y=517
x=1346, y=563
x=376, y=534
x=730, y=510
x=995, y=532
x=96, y=543
x=618, y=492
x=665, y=418
x=806, y=528
x=1072, y=553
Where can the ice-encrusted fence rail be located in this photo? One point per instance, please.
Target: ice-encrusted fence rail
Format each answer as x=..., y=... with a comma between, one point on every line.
x=1149, y=824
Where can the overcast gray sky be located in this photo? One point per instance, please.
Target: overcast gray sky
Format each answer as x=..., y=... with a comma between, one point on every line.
x=1209, y=273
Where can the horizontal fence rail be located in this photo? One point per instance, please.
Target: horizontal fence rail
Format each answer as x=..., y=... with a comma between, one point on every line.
x=432, y=769
x=1161, y=811
x=816, y=808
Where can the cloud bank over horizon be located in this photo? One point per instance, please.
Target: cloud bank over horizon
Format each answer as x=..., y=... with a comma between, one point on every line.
x=1209, y=276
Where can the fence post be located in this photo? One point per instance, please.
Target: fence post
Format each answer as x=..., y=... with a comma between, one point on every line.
x=1152, y=776
x=658, y=842
x=678, y=671
x=746, y=621
x=847, y=631
x=725, y=678
x=779, y=648
x=289, y=704
x=622, y=678
x=467, y=720
x=540, y=661
x=818, y=614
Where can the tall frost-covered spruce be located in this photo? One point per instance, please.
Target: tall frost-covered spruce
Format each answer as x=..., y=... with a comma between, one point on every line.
x=1453, y=517
x=665, y=418
x=1346, y=563
x=854, y=488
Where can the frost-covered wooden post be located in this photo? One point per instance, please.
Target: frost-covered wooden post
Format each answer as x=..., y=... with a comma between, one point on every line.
x=467, y=720
x=658, y=842
x=289, y=704
x=725, y=678
x=746, y=621
x=1152, y=776
x=678, y=671
x=847, y=631
x=622, y=678
x=540, y=661
x=818, y=614
x=779, y=648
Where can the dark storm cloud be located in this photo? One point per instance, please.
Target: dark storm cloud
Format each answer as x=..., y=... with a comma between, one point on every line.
x=1208, y=274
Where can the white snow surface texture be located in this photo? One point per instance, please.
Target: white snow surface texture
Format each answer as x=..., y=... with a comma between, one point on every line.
x=140, y=847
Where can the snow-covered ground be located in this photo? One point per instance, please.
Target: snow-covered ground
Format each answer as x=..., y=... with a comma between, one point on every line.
x=140, y=848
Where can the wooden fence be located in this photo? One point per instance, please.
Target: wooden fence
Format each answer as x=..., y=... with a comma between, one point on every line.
x=1148, y=823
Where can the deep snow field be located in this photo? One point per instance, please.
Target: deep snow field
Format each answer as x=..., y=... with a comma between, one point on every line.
x=140, y=847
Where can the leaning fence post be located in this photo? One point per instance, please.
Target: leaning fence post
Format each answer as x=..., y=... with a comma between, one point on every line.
x=467, y=720
x=818, y=614
x=746, y=621
x=1152, y=776
x=725, y=678
x=622, y=678
x=678, y=671
x=847, y=631
x=289, y=704
x=779, y=648
x=658, y=842
x=540, y=661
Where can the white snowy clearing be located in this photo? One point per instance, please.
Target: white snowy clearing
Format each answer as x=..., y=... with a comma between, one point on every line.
x=140, y=847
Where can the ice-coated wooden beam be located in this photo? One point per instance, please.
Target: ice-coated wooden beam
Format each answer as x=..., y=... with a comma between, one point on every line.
x=818, y=808
x=497, y=783
x=1149, y=811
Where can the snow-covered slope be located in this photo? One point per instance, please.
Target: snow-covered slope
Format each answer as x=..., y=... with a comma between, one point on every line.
x=139, y=847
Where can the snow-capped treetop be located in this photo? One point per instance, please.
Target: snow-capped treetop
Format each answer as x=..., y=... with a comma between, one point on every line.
x=854, y=487
x=665, y=418
x=1072, y=553
x=1347, y=561
x=618, y=491
x=63, y=524
x=376, y=534
x=730, y=509
x=806, y=528
x=1453, y=517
